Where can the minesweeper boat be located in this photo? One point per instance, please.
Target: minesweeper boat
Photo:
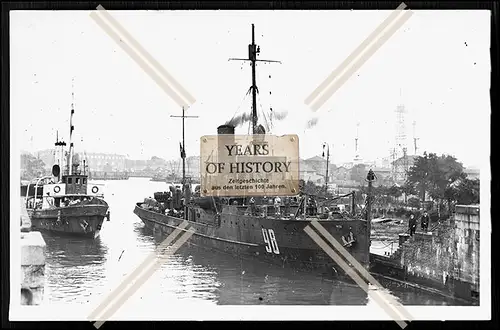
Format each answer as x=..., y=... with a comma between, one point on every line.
x=257, y=228
x=66, y=203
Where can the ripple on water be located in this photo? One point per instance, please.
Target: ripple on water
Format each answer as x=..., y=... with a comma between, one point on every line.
x=79, y=271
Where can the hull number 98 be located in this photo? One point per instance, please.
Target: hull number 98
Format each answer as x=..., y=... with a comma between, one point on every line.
x=270, y=240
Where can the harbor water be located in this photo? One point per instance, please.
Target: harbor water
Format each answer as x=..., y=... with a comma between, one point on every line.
x=84, y=270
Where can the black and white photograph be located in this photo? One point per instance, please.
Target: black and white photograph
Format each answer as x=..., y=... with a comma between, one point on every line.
x=250, y=165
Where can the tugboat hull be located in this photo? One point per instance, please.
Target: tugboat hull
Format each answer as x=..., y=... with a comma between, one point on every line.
x=83, y=221
x=283, y=243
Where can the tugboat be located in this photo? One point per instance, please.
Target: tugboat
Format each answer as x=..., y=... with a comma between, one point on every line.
x=255, y=228
x=66, y=203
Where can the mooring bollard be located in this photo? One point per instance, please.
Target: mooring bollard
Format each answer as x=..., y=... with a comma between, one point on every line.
x=32, y=262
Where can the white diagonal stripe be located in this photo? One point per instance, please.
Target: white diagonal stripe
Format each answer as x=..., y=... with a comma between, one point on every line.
x=150, y=65
x=341, y=73
x=151, y=260
x=355, y=65
x=357, y=265
x=377, y=296
x=115, y=306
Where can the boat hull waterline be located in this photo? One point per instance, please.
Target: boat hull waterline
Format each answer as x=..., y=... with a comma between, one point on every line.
x=280, y=242
x=82, y=221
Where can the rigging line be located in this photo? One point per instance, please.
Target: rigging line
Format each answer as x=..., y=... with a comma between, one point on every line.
x=268, y=128
x=242, y=101
x=268, y=125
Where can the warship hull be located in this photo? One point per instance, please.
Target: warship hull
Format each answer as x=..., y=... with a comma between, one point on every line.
x=283, y=243
x=83, y=221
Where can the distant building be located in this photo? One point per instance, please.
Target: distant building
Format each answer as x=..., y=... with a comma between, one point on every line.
x=400, y=167
x=157, y=162
x=472, y=173
x=383, y=173
x=192, y=166
x=103, y=162
x=383, y=162
x=347, y=165
x=47, y=156
x=342, y=179
x=135, y=165
x=342, y=174
x=318, y=164
x=308, y=172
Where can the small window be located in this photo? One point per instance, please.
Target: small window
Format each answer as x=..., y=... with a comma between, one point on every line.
x=84, y=180
x=70, y=181
x=77, y=180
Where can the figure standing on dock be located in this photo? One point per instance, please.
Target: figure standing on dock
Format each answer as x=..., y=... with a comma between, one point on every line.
x=287, y=206
x=424, y=221
x=253, y=208
x=413, y=224
x=277, y=205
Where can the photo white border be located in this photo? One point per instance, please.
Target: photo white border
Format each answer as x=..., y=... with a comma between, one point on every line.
x=79, y=312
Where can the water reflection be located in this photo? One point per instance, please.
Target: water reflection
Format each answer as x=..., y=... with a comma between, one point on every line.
x=229, y=280
x=80, y=270
x=74, y=251
x=75, y=266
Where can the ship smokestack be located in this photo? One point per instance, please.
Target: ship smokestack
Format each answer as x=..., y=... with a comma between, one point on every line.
x=225, y=129
x=222, y=132
x=225, y=134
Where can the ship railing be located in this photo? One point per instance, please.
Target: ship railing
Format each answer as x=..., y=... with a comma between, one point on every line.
x=35, y=197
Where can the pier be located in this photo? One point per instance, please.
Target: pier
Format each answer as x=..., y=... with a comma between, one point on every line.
x=111, y=175
x=445, y=259
x=32, y=262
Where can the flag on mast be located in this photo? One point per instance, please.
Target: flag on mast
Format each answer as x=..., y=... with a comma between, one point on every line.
x=183, y=152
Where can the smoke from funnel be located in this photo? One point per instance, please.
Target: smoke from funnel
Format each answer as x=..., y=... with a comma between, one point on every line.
x=239, y=120
x=280, y=115
x=245, y=118
x=311, y=123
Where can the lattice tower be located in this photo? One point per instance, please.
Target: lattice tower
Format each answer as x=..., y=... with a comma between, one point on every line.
x=400, y=155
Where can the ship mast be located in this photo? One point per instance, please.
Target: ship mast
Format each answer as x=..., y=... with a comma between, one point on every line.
x=60, y=153
x=253, y=51
x=327, y=146
x=71, y=128
x=183, y=145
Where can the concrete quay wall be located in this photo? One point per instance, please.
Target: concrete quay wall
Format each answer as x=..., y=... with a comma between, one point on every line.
x=446, y=259
x=32, y=268
x=32, y=263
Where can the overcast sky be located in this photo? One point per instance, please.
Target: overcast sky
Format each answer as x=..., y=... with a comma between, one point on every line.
x=437, y=65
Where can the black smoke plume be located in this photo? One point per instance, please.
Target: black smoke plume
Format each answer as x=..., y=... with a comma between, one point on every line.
x=246, y=117
x=239, y=120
